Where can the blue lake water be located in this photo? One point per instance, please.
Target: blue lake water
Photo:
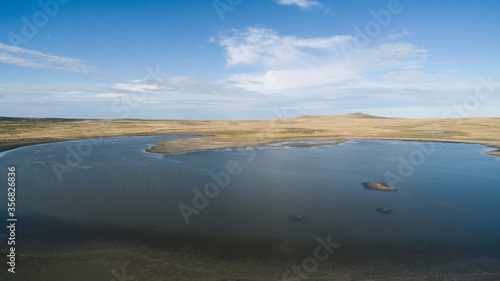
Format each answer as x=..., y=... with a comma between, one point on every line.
x=447, y=198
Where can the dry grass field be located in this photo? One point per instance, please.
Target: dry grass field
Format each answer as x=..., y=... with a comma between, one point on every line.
x=15, y=132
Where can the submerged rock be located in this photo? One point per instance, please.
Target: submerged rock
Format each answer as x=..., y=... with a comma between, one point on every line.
x=296, y=217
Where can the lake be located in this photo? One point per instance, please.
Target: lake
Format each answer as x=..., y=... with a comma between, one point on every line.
x=110, y=189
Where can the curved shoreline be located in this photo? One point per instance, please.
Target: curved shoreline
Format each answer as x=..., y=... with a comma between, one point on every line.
x=223, y=134
x=172, y=146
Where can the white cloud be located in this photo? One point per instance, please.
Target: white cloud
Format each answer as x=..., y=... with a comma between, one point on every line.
x=402, y=76
x=108, y=95
x=262, y=47
x=34, y=59
x=283, y=63
x=292, y=79
x=393, y=55
x=400, y=51
x=395, y=35
x=303, y=4
x=136, y=87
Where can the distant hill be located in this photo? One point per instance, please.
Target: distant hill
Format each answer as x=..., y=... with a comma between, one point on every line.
x=24, y=119
x=363, y=115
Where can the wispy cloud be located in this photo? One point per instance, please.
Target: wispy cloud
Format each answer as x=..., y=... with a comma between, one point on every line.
x=403, y=76
x=395, y=35
x=171, y=88
x=34, y=59
x=262, y=47
x=282, y=63
x=303, y=4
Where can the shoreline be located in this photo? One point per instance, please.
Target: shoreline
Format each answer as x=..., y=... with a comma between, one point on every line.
x=13, y=145
x=173, y=146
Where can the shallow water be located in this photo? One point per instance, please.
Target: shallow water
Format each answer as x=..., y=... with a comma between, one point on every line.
x=446, y=202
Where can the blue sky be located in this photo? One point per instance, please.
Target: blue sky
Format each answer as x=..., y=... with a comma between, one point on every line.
x=242, y=59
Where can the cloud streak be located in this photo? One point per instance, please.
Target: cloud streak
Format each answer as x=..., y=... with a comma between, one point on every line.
x=302, y=4
x=38, y=60
x=395, y=35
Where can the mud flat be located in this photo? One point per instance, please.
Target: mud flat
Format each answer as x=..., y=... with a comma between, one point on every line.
x=213, y=143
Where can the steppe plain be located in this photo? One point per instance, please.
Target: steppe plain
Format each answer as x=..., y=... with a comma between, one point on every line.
x=17, y=132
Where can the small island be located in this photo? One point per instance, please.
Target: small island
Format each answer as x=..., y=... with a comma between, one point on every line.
x=378, y=186
x=384, y=210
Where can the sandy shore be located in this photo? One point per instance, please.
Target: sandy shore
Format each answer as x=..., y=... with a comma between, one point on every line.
x=17, y=132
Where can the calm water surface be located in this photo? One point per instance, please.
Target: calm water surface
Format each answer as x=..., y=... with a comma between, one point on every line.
x=447, y=198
